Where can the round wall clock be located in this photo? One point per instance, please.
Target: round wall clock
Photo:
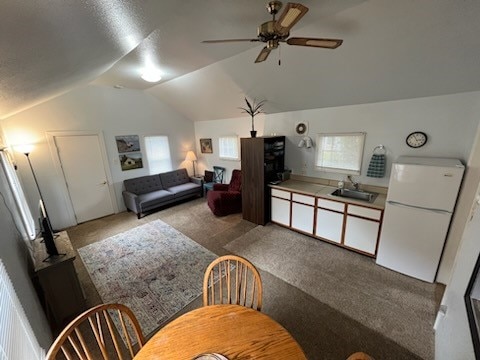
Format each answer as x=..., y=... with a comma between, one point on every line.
x=416, y=139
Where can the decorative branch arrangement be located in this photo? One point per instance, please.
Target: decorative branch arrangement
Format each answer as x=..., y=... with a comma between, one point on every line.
x=253, y=108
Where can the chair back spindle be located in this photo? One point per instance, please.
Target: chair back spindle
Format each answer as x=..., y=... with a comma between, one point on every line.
x=234, y=280
x=107, y=331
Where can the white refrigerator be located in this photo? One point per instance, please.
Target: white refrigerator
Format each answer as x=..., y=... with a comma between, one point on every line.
x=420, y=201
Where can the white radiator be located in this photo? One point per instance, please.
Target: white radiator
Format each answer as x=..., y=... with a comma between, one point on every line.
x=17, y=340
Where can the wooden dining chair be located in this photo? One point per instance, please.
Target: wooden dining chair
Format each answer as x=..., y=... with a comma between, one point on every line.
x=360, y=356
x=231, y=279
x=107, y=331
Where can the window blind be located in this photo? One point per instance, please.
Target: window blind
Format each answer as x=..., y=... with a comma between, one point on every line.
x=17, y=340
x=27, y=222
x=228, y=147
x=158, y=154
x=342, y=152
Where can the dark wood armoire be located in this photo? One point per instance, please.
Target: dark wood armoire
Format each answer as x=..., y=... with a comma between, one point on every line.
x=262, y=159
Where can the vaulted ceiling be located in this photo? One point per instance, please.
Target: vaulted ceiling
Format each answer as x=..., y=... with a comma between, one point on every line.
x=392, y=50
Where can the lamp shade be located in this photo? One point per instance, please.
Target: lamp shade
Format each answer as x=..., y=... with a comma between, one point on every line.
x=24, y=148
x=191, y=156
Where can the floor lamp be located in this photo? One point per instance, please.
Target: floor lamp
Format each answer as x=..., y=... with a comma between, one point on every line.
x=193, y=158
x=47, y=230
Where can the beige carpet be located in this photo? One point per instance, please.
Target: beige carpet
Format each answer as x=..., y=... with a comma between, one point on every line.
x=324, y=332
x=399, y=307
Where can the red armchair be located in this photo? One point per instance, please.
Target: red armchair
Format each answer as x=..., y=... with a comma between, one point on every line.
x=226, y=199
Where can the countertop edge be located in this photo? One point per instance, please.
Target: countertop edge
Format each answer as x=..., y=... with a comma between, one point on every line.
x=324, y=191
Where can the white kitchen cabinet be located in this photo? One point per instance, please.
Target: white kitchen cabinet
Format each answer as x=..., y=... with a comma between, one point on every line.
x=281, y=211
x=303, y=212
x=329, y=223
x=349, y=225
x=302, y=217
x=362, y=228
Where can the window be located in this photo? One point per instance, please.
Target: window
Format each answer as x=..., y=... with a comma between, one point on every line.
x=340, y=153
x=24, y=220
x=228, y=148
x=158, y=154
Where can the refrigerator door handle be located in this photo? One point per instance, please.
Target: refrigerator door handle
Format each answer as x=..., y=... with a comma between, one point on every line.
x=438, y=211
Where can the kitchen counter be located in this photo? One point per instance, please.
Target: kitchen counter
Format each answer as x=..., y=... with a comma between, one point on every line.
x=324, y=191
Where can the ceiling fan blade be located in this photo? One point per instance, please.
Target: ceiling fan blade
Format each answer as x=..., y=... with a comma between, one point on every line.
x=290, y=16
x=228, y=40
x=313, y=42
x=263, y=55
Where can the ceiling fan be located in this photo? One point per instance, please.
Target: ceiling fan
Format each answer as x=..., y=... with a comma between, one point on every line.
x=275, y=31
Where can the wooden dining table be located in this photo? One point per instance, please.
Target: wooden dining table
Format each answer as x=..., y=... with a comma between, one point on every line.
x=236, y=332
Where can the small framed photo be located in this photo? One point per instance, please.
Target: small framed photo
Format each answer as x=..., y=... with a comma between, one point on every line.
x=127, y=143
x=206, y=146
x=131, y=161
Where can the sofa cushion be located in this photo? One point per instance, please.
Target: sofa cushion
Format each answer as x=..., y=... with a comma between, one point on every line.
x=154, y=199
x=143, y=184
x=185, y=189
x=173, y=178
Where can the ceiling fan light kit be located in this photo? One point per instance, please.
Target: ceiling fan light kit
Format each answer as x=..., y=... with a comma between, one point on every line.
x=275, y=31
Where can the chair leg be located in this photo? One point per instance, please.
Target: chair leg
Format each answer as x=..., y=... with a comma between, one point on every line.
x=139, y=215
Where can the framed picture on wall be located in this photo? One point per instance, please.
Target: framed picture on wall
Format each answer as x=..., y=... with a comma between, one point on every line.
x=127, y=143
x=131, y=161
x=206, y=146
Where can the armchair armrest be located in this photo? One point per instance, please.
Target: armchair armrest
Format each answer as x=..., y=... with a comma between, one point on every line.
x=196, y=180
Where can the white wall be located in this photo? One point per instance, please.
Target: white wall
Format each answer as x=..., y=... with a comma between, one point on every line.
x=452, y=337
x=450, y=122
x=215, y=129
x=14, y=254
x=93, y=108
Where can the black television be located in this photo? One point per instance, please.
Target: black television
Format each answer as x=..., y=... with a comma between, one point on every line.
x=46, y=229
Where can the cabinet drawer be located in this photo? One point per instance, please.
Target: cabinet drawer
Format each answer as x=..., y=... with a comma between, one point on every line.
x=304, y=199
x=281, y=194
x=364, y=212
x=331, y=205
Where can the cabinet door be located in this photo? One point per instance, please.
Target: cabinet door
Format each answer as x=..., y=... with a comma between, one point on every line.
x=302, y=217
x=329, y=225
x=361, y=234
x=281, y=211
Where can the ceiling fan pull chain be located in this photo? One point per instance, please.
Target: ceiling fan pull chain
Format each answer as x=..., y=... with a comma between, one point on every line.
x=279, y=55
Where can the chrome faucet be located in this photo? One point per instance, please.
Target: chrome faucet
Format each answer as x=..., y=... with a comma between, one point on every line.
x=354, y=183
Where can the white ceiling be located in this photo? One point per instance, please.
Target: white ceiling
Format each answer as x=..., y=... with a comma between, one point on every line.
x=392, y=50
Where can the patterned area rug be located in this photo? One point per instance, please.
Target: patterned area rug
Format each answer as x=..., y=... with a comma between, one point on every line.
x=153, y=269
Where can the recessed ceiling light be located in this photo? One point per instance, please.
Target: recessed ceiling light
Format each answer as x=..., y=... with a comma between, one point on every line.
x=152, y=75
x=118, y=86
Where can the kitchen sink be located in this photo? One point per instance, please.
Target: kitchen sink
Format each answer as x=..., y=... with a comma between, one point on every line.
x=356, y=194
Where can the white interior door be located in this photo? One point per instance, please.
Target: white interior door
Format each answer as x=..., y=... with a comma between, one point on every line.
x=83, y=167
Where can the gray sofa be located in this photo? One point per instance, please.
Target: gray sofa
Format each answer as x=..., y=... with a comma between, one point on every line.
x=146, y=193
